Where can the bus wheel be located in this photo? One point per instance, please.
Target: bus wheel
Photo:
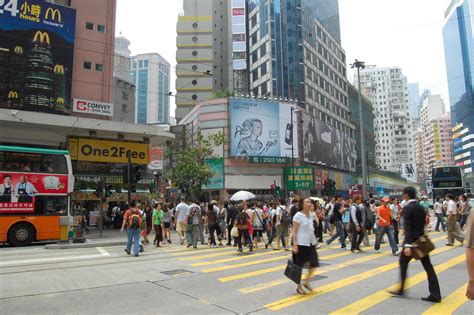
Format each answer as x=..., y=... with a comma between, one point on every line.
x=21, y=234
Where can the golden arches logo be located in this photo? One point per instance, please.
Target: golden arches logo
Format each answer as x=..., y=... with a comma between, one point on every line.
x=12, y=94
x=18, y=50
x=59, y=69
x=54, y=13
x=42, y=37
x=60, y=100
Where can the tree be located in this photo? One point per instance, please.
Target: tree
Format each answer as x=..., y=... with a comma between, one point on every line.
x=191, y=170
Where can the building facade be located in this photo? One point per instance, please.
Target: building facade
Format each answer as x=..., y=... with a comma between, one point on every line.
x=239, y=47
x=204, y=52
x=415, y=104
x=387, y=88
x=124, y=88
x=437, y=144
x=459, y=54
x=151, y=76
x=295, y=53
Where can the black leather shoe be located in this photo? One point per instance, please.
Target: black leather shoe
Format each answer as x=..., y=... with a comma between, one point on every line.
x=431, y=299
x=395, y=293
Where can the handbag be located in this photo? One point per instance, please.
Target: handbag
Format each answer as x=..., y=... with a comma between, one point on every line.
x=422, y=247
x=293, y=272
x=234, y=232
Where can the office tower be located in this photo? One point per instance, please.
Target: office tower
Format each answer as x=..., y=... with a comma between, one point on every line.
x=414, y=99
x=124, y=95
x=239, y=47
x=295, y=52
x=387, y=87
x=459, y=54
x=436, y=132
x=151, y=76
x=204, y=52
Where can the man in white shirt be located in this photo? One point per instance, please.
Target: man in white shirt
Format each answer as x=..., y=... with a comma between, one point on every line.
x=329, y=208
x=180, y=217
x=454, y=230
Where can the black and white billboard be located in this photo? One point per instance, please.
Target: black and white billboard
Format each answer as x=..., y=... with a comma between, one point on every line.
x=327, y=145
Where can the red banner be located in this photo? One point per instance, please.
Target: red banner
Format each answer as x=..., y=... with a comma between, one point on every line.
x=18, y=190
x=238, y=11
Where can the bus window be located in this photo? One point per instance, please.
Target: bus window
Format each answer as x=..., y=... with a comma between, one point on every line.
x=51, y=205
x=32, y=162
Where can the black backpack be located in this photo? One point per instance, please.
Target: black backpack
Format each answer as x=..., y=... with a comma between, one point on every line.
x=242, y=218
x=285, y=216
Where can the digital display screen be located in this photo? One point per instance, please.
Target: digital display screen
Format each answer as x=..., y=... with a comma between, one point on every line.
x=447, y=184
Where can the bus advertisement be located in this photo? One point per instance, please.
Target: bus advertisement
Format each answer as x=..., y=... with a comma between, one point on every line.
x=447, y=180
x=35, y=189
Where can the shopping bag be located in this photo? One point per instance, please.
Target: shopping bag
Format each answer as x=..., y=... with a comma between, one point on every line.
x=234, y=232
x=293, y=272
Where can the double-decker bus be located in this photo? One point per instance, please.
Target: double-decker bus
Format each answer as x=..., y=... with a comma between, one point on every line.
x=35, y=187
x=447, y=180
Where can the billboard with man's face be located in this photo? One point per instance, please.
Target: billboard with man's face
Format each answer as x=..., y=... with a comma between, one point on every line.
x=262, y=128
x=36, y=55
x=327, y=145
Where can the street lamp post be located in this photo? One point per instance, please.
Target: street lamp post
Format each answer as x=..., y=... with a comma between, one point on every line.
x=293, y=111
x=361, y=65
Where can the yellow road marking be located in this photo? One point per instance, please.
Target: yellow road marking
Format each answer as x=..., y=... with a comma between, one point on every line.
x=295, y=299
x=200, y=251
x=207, y=263
x=380, y=296
x=223, y=253
x=273, y=269
x=450, y=303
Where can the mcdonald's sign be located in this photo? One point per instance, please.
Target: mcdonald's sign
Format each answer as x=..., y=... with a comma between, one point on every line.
x=42, y=37
x=12, y=94
x=60, y=100
x=59, y=69
x=54, y=13
x=18, y=50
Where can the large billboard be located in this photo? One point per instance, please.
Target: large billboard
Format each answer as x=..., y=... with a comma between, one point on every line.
x=36, y=55
x=327, y=145
x=262, y=128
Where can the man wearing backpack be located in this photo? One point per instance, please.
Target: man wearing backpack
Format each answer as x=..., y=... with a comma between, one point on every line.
x=283, y=221
x=132, y=220
x=193, y=220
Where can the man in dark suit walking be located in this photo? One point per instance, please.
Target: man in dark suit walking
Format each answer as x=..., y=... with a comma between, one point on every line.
x=415, y=218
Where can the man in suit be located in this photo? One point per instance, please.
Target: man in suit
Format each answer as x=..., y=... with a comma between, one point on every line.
x=414, y=217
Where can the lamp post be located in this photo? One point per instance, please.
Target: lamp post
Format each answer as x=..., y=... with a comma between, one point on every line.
x=361, y=65
x=293, y=111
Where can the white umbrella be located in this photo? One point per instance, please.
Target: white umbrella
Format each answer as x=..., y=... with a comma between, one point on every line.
x=321, y=201
x=242, y=196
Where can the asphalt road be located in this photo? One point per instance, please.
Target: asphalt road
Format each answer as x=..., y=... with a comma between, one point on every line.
x=176, y=280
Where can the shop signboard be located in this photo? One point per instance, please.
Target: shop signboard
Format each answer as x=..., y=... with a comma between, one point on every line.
x=217, y=169
x=299, y=177
x=108, y=151
x=318, y=179
x=262, y=128
x=327, y=145
x=19, y=189
x=93, y=107
x=36, y=49
x=156, y=159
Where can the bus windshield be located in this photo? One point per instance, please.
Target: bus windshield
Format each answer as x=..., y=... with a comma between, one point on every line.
x=32, y=162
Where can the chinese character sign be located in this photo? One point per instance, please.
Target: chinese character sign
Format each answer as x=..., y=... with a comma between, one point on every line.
x=300, y=178
x=37, y=48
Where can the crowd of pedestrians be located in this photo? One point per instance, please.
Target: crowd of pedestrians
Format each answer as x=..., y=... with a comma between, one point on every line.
x=304, y=225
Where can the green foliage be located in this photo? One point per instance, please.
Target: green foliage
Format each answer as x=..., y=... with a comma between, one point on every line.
x=191, y=171
x=222, y=94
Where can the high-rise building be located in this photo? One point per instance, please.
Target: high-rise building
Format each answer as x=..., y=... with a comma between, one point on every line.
x=151, y=76
x=239, y=47
x=295, y=52
x=437, y=144
x=124, y=87
x=459, y=54
x=387, y=87
x=414, y=98
x=204, y=52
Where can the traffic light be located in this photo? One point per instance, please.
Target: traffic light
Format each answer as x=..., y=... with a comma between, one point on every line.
x=108, y=191
x=99, y=187
x=278, y=191
x=135, y=174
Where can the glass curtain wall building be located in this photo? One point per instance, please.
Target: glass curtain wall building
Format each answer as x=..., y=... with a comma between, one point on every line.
x=459, y=54
x=295, y=52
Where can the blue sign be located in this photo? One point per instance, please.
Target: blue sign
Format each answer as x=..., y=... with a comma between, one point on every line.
x=37, y=39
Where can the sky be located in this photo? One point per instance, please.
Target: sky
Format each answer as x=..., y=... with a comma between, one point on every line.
x=404, y=33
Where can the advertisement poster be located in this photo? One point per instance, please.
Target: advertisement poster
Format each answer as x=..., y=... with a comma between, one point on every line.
x=217, y=169
x=262, y=128
x=327, y=145
x=92, y=107
x=318, y=180
x=18, y=190
x=37, y=50
x=156, y=159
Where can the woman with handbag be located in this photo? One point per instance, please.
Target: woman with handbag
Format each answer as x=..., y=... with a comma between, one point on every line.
x=304, y=243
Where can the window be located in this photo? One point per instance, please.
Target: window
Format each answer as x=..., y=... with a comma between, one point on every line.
x=195, y=39
x=194, y=82
x=32, y=162
x=87, y=65
x=263, y=69
x=254, y=20
x=254, y=57
x=194, y=53
x=254, y=38
x=263, y=50
x=89, y=26
x=255, y=74
x=99, y=67
x=195, y=25
x=194, y=68
x=101, y=28
x=194, y=97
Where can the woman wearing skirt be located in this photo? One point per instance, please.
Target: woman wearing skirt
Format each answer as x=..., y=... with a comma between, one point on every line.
x=304, y=243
